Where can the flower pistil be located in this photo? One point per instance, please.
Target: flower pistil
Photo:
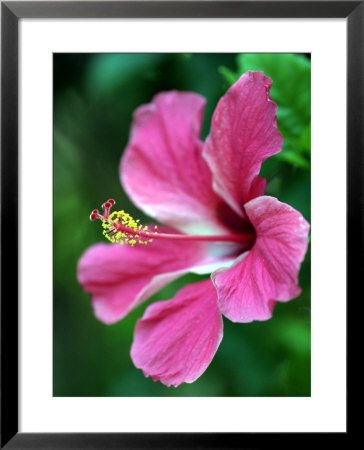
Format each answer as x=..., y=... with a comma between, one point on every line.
x=120, y=227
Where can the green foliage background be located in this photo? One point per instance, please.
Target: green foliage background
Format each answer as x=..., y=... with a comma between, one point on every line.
x=94, y=98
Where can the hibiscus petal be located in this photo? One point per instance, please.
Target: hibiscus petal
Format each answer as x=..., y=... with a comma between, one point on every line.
x=244, y=133
x=120, y=277
x=268, y=273
x=162, y=168
x=176, y=340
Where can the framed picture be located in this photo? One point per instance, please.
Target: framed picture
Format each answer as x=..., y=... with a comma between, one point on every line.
x=206, y=300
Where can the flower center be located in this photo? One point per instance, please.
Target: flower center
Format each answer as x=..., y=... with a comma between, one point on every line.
x=120, y=227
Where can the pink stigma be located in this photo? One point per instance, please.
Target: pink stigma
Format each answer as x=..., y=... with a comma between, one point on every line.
x=106, y=207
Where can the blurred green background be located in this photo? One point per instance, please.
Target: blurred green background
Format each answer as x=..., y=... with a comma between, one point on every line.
x=94, y=98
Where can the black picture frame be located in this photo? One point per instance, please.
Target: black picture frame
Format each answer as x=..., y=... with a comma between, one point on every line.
x=11, y=13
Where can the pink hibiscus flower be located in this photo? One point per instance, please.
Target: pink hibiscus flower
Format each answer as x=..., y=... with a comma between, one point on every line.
x=217, y=220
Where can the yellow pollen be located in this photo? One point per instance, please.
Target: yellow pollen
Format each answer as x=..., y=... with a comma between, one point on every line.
x=121, y=228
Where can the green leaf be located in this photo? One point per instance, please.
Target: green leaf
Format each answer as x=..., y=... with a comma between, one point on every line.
x=294, y=158
x=229, y=76
x=305, y=139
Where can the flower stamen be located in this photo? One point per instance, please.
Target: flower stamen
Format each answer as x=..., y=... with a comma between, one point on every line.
x=120, y=227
